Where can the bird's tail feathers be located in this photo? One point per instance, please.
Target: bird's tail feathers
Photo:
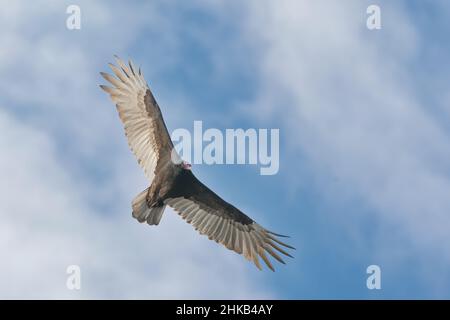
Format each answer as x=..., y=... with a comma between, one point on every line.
x=143, y=213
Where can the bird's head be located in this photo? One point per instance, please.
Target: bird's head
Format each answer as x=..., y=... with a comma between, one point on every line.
x=186, y=165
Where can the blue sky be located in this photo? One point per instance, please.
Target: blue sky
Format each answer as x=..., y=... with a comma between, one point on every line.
x=364, y=146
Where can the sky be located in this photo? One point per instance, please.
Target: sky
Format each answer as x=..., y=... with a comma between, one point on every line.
x=364, y=122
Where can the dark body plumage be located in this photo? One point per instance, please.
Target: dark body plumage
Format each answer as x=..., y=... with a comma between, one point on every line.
x=188, y=186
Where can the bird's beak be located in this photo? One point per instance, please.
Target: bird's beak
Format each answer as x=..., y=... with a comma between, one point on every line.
x=187, y=166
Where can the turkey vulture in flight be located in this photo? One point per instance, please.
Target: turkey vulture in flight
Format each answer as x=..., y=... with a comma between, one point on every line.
x=172, y=182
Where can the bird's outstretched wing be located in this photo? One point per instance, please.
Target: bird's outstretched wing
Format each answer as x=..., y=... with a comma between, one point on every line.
x=222, y=222
x=144, y=126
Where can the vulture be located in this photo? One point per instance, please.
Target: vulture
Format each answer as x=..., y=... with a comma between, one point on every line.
x=172, y=182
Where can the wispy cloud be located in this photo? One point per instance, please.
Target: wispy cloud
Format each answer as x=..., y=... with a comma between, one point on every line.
x=351, y=103
x=68, y=176
x=360, y=113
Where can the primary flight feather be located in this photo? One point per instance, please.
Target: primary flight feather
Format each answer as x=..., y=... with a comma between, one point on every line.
x=172, y=182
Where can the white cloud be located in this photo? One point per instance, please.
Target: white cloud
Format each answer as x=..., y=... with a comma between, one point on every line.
x=351, y=106
x=351, y=103
x=47, y=226
x=56, y=207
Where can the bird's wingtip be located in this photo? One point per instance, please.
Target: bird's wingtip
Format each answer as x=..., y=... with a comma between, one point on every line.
x=277, y=234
